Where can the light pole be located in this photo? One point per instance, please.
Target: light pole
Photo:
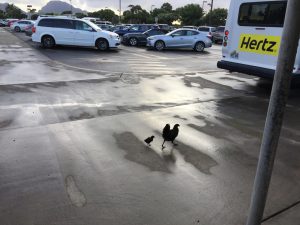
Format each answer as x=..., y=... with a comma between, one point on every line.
x=120, y=11
x=29, y=11
x=211, y=8
x=152, y=8
x=203, y=3
x=71, y=7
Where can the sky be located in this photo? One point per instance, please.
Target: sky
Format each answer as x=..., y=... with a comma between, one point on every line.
x=93, y=5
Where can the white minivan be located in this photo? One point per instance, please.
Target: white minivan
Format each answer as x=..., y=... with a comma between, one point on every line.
x=252, y=37
x=50, y=31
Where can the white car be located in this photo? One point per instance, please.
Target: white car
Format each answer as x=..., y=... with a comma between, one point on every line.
x=207, y=30
x=51, y=31
x=180, y=38
x=20, y=25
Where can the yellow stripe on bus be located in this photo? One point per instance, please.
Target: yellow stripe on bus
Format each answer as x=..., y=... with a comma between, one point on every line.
x=260, y=44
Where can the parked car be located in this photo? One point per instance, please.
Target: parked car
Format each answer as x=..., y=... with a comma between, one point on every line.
x=180, y=38
x=138, y=28
x=207, y=30
x=134, y=39
x=2, y=23
x=104, y=26
x=20, y=25
x=28, y=29
x=163, y=27
x=190, y=27
x=218, y=34
x=11, y=21
x=50, y=31
x=118, y=27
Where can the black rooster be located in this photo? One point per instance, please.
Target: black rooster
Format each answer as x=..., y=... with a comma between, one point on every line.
x=170, y=135
x=149, y=140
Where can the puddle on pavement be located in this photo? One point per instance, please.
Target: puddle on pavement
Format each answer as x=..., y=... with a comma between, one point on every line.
x=179, y=117
x=75, y=195
x=5, y=123
x=11, y=89
x=198, y=159
x=137, y=151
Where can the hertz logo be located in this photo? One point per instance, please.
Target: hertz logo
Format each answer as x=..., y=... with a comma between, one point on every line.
x=261, y=44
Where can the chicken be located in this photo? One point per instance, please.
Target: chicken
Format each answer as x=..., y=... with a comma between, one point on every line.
x=170, y=135
x=166, y=131
x=149, y=140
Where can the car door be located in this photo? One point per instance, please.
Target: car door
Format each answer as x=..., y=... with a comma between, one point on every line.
x=191, y=38
x=84, y=34
x=177, y=39
x=64, y=31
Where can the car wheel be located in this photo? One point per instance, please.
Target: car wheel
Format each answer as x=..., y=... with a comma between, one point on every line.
x=159, y=45
x=199, y=46
x=102, y=44
x=133, y=42
x=48, y=42
x=17, y=29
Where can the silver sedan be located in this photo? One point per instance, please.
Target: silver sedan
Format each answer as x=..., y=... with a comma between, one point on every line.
x=180, y=38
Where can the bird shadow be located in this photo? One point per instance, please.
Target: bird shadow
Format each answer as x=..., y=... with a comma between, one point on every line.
x=135, y=150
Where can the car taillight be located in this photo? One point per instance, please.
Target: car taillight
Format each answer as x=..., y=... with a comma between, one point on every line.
x=33, y=29
x=226, y=33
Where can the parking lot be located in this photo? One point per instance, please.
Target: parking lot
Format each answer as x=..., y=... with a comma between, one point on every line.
x=72, y=126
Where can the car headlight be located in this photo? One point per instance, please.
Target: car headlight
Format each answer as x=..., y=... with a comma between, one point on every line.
x=113, y=36
x=150, y=39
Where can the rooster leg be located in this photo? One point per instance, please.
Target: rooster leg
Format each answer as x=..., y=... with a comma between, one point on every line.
x=174, y=143
x=162, y=146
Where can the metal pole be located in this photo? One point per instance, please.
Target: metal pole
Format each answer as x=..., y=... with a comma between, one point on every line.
x=211, y=8
x=120, y=11
x=279, y=95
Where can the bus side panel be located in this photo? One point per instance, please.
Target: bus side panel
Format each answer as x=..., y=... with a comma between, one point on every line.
x=251, y=45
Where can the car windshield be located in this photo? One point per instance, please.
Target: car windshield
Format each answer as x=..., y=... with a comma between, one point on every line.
x=94, y=26
x=221, y=29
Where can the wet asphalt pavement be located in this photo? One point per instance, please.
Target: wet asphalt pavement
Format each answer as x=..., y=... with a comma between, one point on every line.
x=72, y=131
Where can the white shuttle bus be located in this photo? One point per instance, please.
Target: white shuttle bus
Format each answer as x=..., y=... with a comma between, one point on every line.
x=252, y=37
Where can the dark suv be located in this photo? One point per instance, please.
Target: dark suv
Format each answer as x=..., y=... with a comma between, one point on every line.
x=218, y=34
x=134, y=39
x=137, y=28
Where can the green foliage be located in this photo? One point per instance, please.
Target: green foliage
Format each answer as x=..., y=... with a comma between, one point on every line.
x=190, y=14
x=217, y=16
x=34, y=16
x=14, y=12
x=80, y=15
x=103, y=14
x=136, y=15
x=2, y=15
x=167, y=7
x=66, y=12
x=165, y=14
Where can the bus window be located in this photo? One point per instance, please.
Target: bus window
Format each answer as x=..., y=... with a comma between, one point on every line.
x=264, y=14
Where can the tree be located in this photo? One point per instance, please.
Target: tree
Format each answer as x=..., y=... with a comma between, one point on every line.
x=34, y=16
x=218, y=17
x=68, y=12
x=165, y=14
x=167, y=7
x=80, y=15
x=136, y=14
x=103, y=14
x=14, y=12
x=2, y=14
x=190, y=14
